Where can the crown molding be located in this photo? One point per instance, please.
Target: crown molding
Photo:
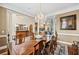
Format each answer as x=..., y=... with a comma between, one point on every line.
x=12, y=8
x=65, y=10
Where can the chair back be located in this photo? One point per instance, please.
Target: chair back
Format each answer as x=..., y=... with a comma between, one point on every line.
x=52, y=45
x=73, y=50
x=38, y=48
x=20, y=39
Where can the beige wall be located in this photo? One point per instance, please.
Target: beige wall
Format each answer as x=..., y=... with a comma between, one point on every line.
x=3, y=21
x=74, y=33
x=8, y=21
x=3, y=26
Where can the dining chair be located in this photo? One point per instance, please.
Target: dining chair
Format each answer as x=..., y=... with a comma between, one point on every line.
x=50, y=47
x=38, y=48
x=20, y=39
x=73, y=50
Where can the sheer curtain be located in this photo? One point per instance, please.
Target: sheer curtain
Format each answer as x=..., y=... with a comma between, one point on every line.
x=50, y=21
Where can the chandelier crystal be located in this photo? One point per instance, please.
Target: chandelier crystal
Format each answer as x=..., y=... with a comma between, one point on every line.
x=40, y=15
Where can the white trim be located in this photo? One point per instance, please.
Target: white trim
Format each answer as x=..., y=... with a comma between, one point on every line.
x=68, y=43
x=3, y=36
x=3, y=47
x=13, y=8
x=68, y=34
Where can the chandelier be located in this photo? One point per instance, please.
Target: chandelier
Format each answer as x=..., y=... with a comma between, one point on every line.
x=40, y=15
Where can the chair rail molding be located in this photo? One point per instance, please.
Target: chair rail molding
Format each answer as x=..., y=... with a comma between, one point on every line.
x=68, y=34
x=3, y=35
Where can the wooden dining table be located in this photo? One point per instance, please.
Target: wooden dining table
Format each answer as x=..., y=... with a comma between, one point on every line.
x=29, y=50
x=26, y=48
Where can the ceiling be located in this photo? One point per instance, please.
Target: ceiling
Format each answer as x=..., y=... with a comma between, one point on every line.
x=32, y=9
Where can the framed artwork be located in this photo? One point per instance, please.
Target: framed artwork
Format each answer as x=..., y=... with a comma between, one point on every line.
x=68, y=22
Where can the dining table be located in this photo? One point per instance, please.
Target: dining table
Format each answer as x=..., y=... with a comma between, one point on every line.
x=26, y=48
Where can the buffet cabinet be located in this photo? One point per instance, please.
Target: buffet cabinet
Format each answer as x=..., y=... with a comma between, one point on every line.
x=20, y=36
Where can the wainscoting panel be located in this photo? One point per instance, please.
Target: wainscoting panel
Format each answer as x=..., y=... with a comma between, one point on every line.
x=68, y=37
